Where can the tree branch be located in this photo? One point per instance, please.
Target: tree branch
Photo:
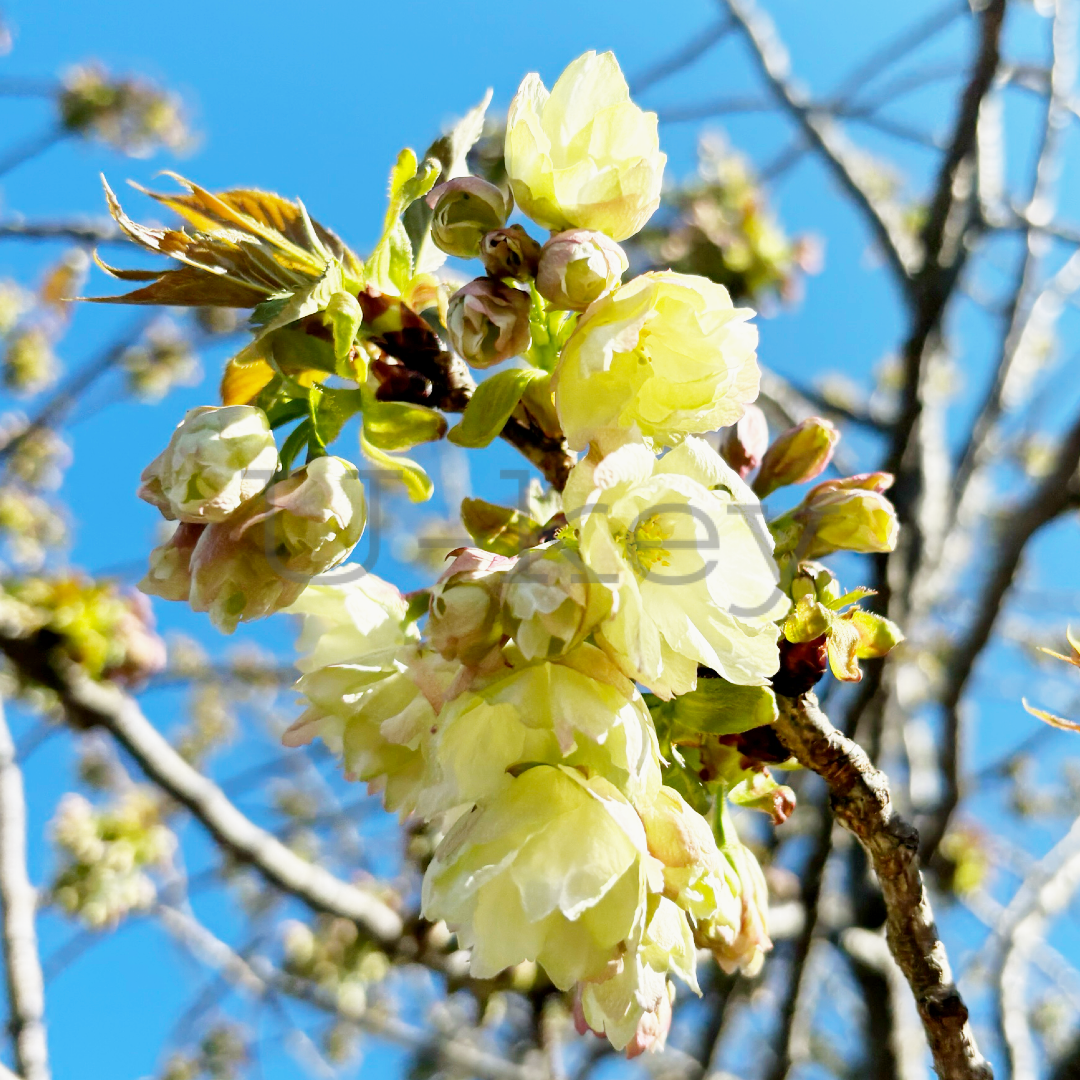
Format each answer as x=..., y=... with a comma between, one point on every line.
x=79, y=232
x=259, y=977
x=91, y=704
x=862, y=804
x=822, y=132
x=1051, y=498
x=22, y=965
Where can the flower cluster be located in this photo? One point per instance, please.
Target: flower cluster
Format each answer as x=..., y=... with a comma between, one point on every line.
x=245, y=546
x=106, y=630
x=106, y=855
x=132, y=115
x=577, y=703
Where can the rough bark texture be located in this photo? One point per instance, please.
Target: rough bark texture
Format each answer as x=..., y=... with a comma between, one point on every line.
x=860, y=799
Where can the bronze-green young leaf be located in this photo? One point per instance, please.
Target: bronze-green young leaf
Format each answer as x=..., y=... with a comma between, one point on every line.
x=247, y=247
x=492, y=404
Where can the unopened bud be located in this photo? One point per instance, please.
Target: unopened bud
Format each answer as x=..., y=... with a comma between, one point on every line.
x=578, y=267
x=510, y=252
x=216, y=459
x=743, y=444
x=848, y=515
x=169, y=575
x=465, y=209
x=488, y=322
x=466, y=612
x=798, y=455
x=262, y=559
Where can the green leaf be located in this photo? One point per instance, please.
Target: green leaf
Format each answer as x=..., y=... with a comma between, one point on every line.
x=285, y=412
x=718, y=707
x=303, y=302
x=390, y=265
x=344, y=316
x=449, y=152
x=293, y=352
x=417, y=482
x=331, y=409
x=492, y=404
x=498, y=529
x=398, y=425
x=297, y=440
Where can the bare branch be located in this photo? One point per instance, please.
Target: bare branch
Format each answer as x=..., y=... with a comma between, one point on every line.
x=91, y=704
x=79, y=232
x=861, y=801
x=1052, y=496
x=259, y=977
x=22, y=964
x=694, y=50
x=899, y=47
x=821, y=131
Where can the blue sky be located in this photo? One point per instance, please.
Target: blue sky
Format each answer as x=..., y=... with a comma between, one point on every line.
x=314, y=101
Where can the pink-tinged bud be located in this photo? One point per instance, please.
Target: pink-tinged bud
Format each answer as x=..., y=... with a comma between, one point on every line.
x=798, y=455
x=465, y=614
x=652, y=1030
x=578, y=267
x=740, y=945
x=262, y=558
x=169, y=575
x=510, y=253
x=848, y=515
x=743, y=444
x=464, y=209
x=488, y=322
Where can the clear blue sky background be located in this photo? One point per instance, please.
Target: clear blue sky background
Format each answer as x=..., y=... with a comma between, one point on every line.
x=315, y=100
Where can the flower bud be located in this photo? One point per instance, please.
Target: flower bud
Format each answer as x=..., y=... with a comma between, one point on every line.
x=551, y=602
x=488, y=322
x=466, y=208
x=510, y=253
x=217, y=458
x=169, y=575
x=848, y=515
x=584, y=155
x=743, y=444
x=741, y=946
x=465, y=613
x=262, y=559
x=578, y=267
x=798, y=455
x=696, y=876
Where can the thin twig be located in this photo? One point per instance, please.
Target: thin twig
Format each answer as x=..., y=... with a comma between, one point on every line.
x=90, y=704
x=79, y=232
x=701, y=43
x=862, y=804
x=821, y=130
x=258, y=976
x=18, y=898
x=32, y=148
x=1045, y=503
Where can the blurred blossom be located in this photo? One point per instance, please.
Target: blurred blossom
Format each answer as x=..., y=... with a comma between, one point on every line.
x=162, y=360
x=105, y=855
x=29, y=364
x=40, y=456
x=29, y=525
x=15, y=301
x=130, y=114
